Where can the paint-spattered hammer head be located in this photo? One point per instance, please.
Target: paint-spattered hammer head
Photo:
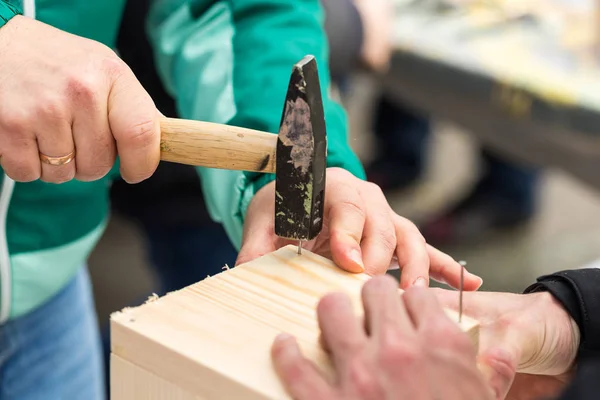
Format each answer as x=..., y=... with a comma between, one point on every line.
x=301, y=157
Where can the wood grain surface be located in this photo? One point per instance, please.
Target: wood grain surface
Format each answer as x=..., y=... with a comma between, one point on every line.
x=212, y=340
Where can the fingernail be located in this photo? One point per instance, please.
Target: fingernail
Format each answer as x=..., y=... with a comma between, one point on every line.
x=282, y=337
x=356, y=257
x=480, y=283
x=420, y=282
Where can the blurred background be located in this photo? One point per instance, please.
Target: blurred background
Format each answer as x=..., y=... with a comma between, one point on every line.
x=480, y=119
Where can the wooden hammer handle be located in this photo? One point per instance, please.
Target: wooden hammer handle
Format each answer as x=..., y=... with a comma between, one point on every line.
x=220, y=146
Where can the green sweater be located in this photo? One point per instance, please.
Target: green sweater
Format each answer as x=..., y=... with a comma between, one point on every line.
x=225, y=61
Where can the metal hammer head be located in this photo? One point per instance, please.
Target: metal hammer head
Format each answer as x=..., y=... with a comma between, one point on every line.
x=301, y=157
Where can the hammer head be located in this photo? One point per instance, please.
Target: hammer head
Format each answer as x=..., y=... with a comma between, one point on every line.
x=301, y=157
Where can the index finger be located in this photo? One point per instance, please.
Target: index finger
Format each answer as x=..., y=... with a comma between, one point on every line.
x=300, y=376
x=445, y=269
x=411, y=252
x=346, y=213
x=134, y=122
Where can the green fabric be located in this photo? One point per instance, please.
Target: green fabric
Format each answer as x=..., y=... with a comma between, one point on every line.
x=95, y=19
x=7, y=11
x=253, y=66
x=45, y=216
x=184, y=44
x=28, y=290
x=224, y=61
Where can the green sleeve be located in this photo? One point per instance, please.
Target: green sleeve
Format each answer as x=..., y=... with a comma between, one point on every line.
x=7, y=11
x=230, y=62
x=271, y=36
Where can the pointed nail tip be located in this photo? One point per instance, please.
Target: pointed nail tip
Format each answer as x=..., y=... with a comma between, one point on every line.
x=356, y=269
x=356, y=259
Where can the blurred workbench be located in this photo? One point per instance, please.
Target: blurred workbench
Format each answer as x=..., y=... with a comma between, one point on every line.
x=523, y=76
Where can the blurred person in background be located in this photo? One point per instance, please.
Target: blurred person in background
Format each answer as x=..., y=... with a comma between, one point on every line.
x=505, y=195
x=359, y=35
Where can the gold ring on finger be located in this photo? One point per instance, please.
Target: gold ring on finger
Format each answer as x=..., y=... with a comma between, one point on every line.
x=57, y=161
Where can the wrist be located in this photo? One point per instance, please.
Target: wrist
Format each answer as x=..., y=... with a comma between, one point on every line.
x=561, y=333
x=572, y=335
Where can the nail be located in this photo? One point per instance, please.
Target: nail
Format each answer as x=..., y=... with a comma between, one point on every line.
x=420, y=282
x=356, y=257
x=282, y=338
x=480, y=282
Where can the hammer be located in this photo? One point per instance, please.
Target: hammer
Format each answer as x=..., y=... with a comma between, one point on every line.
x=297, y=155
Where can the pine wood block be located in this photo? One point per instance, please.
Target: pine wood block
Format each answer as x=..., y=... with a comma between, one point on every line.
x=212, y=339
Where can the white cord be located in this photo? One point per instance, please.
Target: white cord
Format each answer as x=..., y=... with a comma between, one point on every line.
x=29, y=8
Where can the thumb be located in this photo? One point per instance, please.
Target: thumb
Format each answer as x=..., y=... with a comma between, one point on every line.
x=499, y=367
x=346, y=223
x=135, y=125
x=259, y=239
x=259, y=226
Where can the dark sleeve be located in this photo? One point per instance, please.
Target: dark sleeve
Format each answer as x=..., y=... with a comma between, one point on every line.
x=585, y=384
x=344, y=29
x=579, y=292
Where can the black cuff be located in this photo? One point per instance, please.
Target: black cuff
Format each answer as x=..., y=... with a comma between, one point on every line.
x=579, y=293
x=585, y=384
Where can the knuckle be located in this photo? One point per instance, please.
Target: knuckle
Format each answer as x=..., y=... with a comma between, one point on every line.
x=51, y=108
x=113, y=65
x=407, y=225
x=59, y=175
x=379, y=284
x=83, y=88
x=364, y=380
x=21, y=170
x=96, y=165
x=295, y=372
x=144, y=131
x=446, y=260
x=330, y=303
x=141, y=134
x=508, y=322
x=373, y=188
x=397, y=350
x=352, y=207
x=92, y=173
x=388, y=241
x=14, y=122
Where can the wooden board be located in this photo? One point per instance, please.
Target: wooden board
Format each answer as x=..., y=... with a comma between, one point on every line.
x=212, y=340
